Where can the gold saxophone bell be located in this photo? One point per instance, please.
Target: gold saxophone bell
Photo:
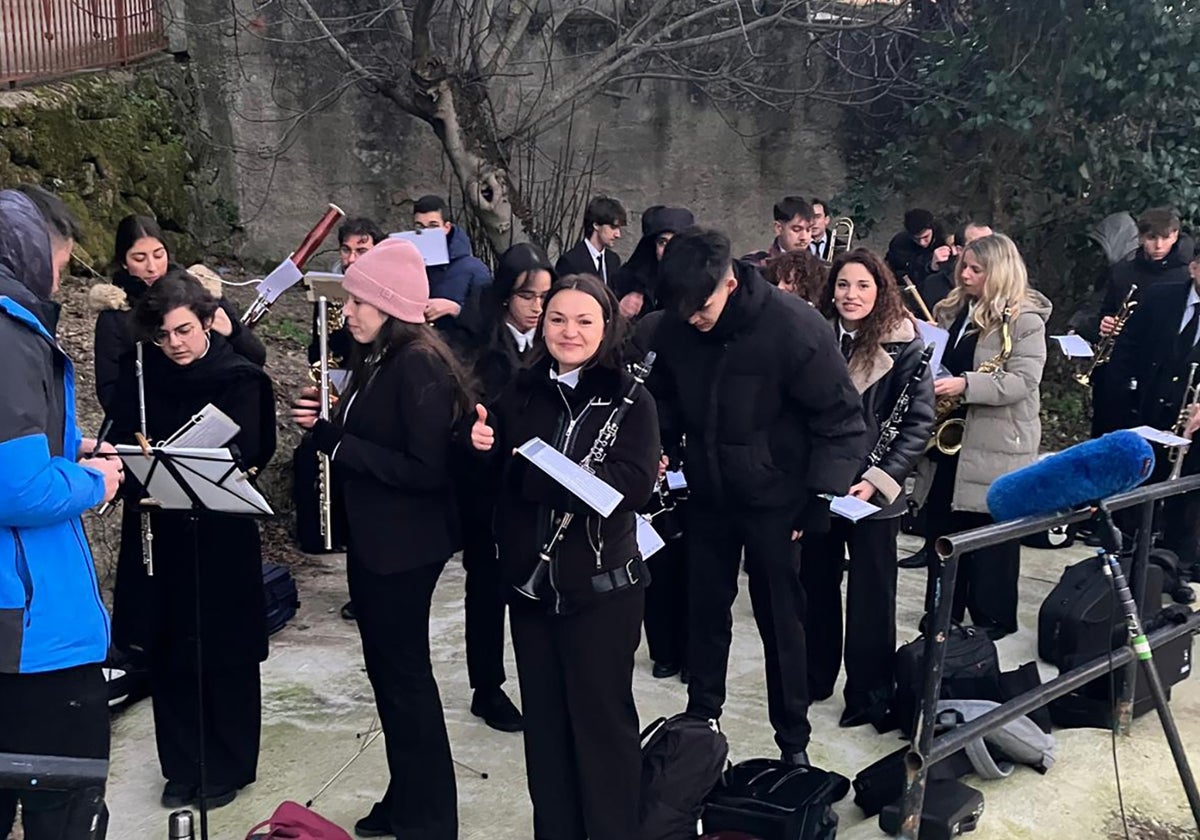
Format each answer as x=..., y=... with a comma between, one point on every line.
x=948, y=431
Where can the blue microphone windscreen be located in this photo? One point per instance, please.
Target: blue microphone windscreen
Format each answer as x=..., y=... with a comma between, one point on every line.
x=1086, y=472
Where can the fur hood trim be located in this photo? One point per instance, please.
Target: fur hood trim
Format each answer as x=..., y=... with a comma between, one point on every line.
x=106, y=296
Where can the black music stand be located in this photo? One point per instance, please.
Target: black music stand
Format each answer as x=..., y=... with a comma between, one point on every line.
x=83, y=777
x=195, y=481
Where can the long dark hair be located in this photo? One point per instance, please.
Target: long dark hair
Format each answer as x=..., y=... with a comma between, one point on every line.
x=610, y=352
x=130, y=230
x=395, y=335
x=888, y=312
x=174, y=289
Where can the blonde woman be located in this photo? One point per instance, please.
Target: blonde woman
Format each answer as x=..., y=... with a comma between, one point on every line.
x=1000, y=411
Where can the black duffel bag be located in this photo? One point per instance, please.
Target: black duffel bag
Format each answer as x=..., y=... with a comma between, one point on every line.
x=772, y=800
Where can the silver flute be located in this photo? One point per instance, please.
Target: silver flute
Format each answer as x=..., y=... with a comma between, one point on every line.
x=147, y=528
x=323, y=463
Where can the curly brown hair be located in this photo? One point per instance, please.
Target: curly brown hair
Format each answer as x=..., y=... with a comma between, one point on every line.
x=885, y=317
x=798, y=272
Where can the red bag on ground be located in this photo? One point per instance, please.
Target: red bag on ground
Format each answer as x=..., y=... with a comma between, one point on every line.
x=292, y=821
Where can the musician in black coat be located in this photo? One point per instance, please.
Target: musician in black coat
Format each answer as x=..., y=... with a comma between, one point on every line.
x=594, y=254
x=1151, y=363
x=140, y=257
x=186, y=367
x=389, y=441
x=575, y=645
x=883, y=352
x=754, y=379
x=509, y=310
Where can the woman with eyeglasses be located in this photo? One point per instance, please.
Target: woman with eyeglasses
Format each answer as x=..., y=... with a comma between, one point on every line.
x=188, y=365
x=140, y=258
x=508, y=314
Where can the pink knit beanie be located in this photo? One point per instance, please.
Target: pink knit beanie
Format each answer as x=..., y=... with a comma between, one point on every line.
x=391, y=277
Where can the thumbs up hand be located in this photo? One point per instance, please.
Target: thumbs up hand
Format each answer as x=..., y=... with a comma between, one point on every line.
x=482, y=435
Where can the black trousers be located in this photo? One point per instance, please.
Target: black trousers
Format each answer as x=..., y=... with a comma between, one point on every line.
x=54, y=713
x=485, y=596
x=582, y=742
x=232, y=725
x=716, y=538
x=986, y=586
x=870, y=609
x=421, y=800
x=666, y=604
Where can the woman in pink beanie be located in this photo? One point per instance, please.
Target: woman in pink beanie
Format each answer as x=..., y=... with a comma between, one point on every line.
x=389, y=440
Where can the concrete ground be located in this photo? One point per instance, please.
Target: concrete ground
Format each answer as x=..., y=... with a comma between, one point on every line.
x=317, y=704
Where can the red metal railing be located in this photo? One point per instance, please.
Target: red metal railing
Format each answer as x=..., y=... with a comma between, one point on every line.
x=44, y=39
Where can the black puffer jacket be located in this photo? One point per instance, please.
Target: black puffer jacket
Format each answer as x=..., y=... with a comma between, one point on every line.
x=765, y=400
x=570, y=419
x=1146, y=272
x=890, y=368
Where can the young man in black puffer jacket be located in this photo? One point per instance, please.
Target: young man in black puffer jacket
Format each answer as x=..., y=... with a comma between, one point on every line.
x=755, y=380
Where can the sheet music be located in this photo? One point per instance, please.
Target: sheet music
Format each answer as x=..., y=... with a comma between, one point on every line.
x=210, y=428
x=939, y=339
x=431, y=242
x=209, y=473
x=675, y=480
x=1159, y=436
x=283, y=277
x=1074, y=346
x=648, y=539
x=594, y=492
x=339, y=379
x=852, y=508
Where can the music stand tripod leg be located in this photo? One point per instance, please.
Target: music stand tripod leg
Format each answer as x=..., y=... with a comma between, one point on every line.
x=1111, y=536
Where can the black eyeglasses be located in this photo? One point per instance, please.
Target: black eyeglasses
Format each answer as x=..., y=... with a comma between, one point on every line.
x=163, y=336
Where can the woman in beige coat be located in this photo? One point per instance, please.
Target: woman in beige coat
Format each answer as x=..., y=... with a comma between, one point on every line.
x=999, y=410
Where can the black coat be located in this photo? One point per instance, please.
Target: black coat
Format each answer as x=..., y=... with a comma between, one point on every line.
x=1146, y=273
x=390, y=443
x=933, y=288
x=157, y=614
x=1145, y=355
x=114, y=340
x=578, y=260
x=535, y=406
x=891, y=367
x=906, y=258
x=765, y=400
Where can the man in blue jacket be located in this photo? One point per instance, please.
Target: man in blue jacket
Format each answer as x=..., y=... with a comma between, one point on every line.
x=450, y=284
x=53, y=625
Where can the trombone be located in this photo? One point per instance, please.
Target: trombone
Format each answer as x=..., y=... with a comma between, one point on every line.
x=841, y=237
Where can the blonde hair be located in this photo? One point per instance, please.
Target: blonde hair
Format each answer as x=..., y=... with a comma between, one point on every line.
x=1006, y=282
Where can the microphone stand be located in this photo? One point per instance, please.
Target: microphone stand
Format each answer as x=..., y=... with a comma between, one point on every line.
x=1110, y=536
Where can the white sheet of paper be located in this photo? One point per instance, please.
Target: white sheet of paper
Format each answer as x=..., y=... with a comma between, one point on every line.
x=938, y=338
x=282, y=277
x=210, y=428
x=595, y=493
x=339, y=379
x=431, y=243
x=648, y=539
x=676, y=480
x=854, y=509
x=1074, y=346
x=207, y=474
x=1159, y=436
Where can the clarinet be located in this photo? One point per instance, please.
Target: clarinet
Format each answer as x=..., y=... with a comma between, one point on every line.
x=890, y=429
x=544, y=570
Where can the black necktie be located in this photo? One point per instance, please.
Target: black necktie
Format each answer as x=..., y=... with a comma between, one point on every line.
x=847, y=342
x=1187, y=336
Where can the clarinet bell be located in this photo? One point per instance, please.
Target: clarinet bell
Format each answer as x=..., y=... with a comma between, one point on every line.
x=537, y=583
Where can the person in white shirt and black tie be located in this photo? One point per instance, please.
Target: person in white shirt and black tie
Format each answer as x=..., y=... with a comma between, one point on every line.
x=822, y=239
x=594, y=255
x=1151, y=362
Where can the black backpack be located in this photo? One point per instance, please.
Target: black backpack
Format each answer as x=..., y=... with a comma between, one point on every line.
x=970, y=671
x=282, y=598
x=682, y=760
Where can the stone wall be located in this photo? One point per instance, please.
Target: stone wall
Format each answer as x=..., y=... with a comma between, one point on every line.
x=661, y=144
x=115, y=143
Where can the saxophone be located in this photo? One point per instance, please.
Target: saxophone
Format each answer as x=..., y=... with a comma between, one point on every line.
x=948, y=431
x=1104, y=346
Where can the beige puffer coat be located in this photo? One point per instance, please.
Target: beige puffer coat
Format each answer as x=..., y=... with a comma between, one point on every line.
x=1003, y=427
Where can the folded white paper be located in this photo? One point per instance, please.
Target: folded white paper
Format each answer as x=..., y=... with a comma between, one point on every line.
x=648, y=539
x=675, y=480
x=208, y=429
x=939, y=339
x=431, y=242
x=1159, y=436
x=1074, y=346
x=852, y=508
x=594, y=492
x=210, y=474
x=283, y=277
x=339, y=379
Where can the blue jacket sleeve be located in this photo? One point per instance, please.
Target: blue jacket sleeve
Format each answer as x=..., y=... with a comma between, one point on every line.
x=38, y=490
